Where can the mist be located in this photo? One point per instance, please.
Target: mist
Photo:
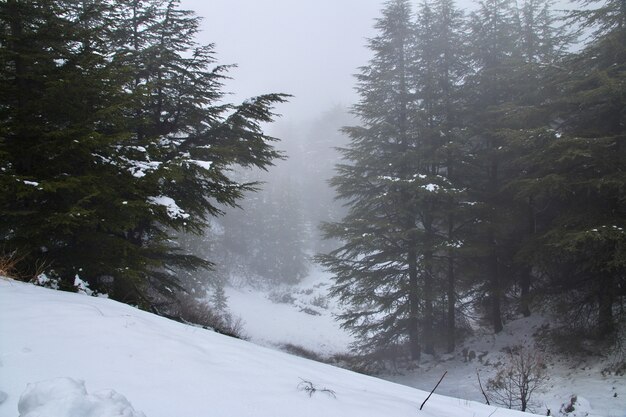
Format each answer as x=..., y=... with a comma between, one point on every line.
x=394, y=187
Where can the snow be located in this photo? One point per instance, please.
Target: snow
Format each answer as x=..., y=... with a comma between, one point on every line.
x=202, y=164
x=430, y=187
x=82, y=286
x=52, y=341
x=68, y=397
x=298, y=323
x=138, y=169
x=173, y=211
x=276, y=324
x=44, y=281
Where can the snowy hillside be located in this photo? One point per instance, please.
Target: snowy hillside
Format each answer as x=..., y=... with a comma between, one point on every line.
x=280, y=318
x=162, y=368
x=300, y=315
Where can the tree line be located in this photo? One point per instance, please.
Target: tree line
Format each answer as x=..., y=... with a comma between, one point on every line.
x=114, y=137
x=486, y=173
x=270, y=239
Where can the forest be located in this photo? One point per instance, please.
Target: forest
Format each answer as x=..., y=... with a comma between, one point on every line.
x=482, y=169
x=487, y=169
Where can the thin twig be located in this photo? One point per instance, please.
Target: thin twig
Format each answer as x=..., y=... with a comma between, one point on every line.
x=309, y=388
x=431, y=393
x=481, y=388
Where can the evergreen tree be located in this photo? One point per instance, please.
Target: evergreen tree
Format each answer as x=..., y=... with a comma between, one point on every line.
x=264, y=239
x=58, y=105
x=122, y=133
x=376, y=268
x=495, y=57
x=444, y=57
x=278, y=232
x=581, y=170
x=527, y=118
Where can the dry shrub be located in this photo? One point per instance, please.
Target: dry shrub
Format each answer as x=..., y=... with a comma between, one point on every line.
x=310, y=388
x=320, y=301
x=517, y=380
x=193, y=311
x=8, y=265
x=12, y=266
x=300, y=351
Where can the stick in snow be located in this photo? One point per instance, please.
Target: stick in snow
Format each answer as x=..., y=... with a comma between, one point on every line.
x=431, y=393
x=481, y=388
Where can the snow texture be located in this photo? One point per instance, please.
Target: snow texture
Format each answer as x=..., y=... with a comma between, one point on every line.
x=598, y=393
x=66, y=397
x=170, y=369
x=303, y=322
x=202, y=164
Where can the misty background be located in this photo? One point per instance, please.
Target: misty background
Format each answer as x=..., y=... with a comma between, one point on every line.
x=310, y=50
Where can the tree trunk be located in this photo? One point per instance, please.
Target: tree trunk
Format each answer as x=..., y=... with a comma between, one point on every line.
x=413, y=304
x=493, y=266
x=525, y=287
x=429, y=344
x=451, y=318
x=606, y=325
x=526, y=272
x=495, y=290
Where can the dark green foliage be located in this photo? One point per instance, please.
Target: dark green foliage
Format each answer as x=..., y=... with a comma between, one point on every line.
x=581, y=174
x=111, y=137
x=399, y=236
x=489, y=167
x=376, y=267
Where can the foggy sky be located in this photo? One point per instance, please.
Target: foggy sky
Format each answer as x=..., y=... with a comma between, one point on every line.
x=307, y=48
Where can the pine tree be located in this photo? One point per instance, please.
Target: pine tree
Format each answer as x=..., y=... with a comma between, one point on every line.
x=527, y=118
x=123, y=135
x=376, y=269
x=581, y=170
x=495, y=57
x=276, y=235
x=448, y=62
x=57, y=103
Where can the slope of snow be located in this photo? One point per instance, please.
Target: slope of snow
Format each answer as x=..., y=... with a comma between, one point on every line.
x=598, y=394
x=298, y=320
x=275, y=324
x=162, y=368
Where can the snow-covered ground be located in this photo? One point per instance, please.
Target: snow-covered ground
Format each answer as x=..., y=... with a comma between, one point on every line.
x=300, y=315
x=72, y=355
x=275, y=324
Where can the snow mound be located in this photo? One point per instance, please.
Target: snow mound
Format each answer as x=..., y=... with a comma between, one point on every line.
x=66, y=397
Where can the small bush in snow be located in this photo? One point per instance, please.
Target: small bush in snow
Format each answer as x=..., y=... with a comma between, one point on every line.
x=309, y=388
x=310, y=311
x=517, y=380
x=194, y=311
x=281, y=297
x=300, y=351
x=44, y=280
x=320, y=301
x=8, y=264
